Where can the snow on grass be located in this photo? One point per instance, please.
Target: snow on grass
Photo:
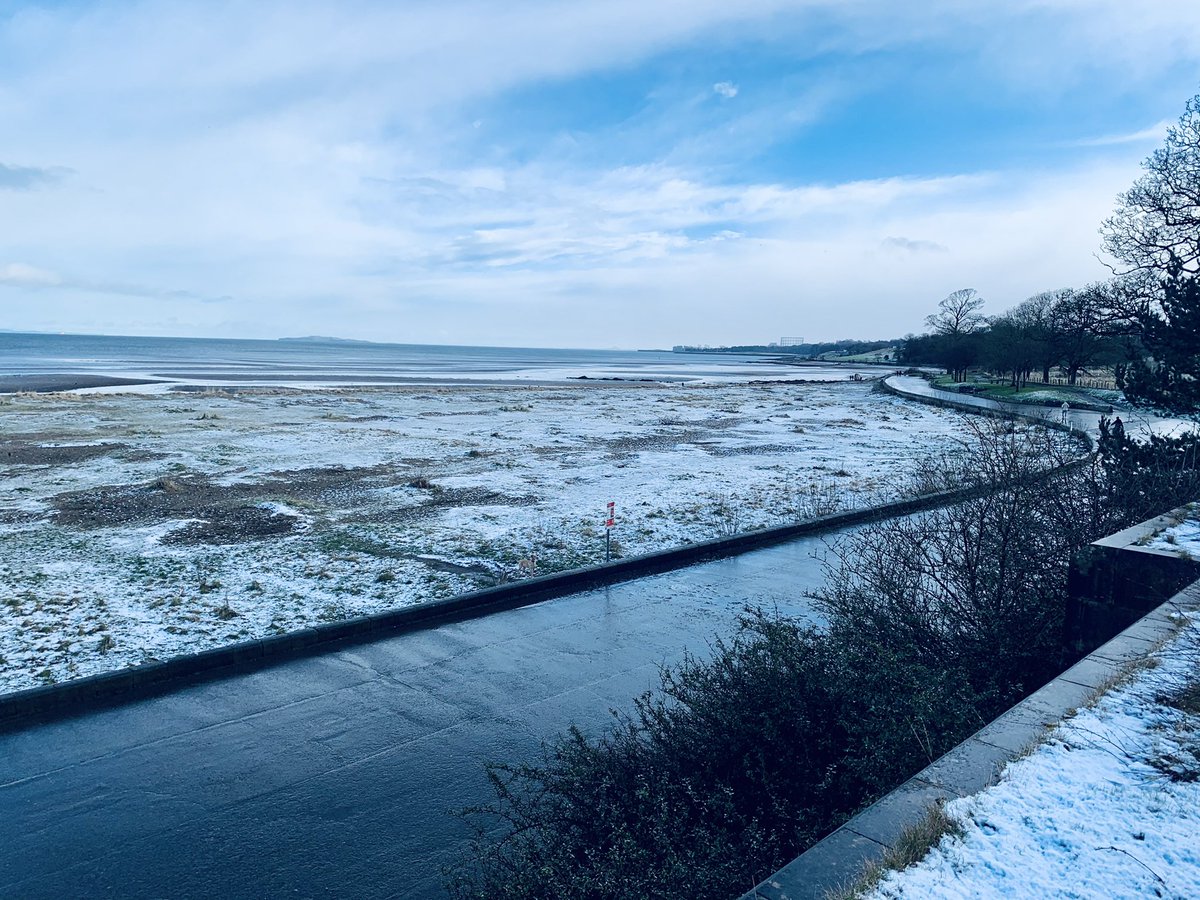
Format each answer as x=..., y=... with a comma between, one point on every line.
x=1183, y=536
x=1108, y=807
x=136, y=527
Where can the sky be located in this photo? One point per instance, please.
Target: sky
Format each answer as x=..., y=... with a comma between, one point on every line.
x=583, y=174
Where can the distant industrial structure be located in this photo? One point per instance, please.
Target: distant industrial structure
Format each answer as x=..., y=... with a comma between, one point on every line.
x=791, y=341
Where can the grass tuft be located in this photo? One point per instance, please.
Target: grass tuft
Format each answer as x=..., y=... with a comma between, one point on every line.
x=912, y=846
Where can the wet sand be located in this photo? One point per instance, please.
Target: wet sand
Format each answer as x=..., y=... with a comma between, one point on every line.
x=46, y=384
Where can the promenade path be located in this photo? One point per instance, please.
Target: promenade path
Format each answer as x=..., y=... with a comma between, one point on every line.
x=333, y=776
x=1137, y=424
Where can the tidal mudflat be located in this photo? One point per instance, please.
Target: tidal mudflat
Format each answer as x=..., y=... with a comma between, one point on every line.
x=135, y=527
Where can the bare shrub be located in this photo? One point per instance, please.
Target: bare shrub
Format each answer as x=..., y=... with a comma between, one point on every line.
x=979, y=585
x=711, y=784
x=727, y=512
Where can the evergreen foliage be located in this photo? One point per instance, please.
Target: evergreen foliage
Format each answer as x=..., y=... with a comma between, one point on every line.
x=1142, y=479
x=1170, y=334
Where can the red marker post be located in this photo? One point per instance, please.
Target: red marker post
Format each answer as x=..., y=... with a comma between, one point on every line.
x=610, y=519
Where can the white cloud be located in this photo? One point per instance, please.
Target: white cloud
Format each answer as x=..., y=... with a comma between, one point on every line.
x=911, y=245
x=28, y=178
x=1153, y=134
x=22, y=275
x=726, y=89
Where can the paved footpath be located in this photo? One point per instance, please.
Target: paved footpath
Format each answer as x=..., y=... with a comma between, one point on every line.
x=334, y=776
x=1137, y=423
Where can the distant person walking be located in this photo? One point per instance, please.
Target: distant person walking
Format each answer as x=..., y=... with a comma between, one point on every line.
x=1065, y=413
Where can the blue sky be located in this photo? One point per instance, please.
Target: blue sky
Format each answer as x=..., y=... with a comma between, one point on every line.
x=621, y=173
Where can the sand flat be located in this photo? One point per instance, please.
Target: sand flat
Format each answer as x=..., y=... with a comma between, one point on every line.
x=135, y=527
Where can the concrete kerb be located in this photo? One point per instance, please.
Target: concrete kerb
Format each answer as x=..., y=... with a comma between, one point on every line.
x=973, y=765
x=84, y=694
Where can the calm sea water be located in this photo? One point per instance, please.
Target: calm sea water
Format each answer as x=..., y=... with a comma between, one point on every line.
x=221, y=361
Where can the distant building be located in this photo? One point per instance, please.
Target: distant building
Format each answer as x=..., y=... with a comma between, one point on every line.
x=791, y=341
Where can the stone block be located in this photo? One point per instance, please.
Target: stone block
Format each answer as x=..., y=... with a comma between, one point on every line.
x=1125, y=649
x=1093, y=672
x=1059, y=697
x=906, y=806
x=968, y=768
x=838, y=860
x=1020, y=728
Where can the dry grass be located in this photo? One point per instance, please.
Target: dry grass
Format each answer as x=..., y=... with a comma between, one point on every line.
x=910, y=848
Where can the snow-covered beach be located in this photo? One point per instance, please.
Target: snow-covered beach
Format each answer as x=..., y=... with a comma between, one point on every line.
x=135, y=527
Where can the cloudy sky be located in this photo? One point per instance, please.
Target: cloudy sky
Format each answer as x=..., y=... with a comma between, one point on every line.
x=624, y=173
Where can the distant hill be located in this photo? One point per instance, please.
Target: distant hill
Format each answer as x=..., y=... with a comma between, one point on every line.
x=320, y=339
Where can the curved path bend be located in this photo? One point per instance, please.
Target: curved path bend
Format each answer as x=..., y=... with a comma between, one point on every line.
x=1136, y=422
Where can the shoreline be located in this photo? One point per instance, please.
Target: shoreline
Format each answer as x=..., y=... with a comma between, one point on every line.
x=224, y=382
x=53, y=383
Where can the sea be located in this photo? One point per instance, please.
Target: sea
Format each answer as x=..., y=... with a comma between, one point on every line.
x=318, y=362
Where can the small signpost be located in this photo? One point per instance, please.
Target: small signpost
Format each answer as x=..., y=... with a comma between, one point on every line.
x=610, y=519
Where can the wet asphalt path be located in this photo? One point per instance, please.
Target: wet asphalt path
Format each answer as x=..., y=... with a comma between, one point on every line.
x=333, y=776
x=1137, y=423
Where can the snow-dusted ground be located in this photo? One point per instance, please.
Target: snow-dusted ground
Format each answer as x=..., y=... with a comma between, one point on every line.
x=136, y=527
x=1183, y=536
x=1108, y=807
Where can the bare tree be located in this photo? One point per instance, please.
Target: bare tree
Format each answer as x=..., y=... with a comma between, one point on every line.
x=958, y=313
x=956, y=325
x=1011, y=348
x=1035, y=318
x=981, y=583
x=1121, y=304
x=1156, y=225
x=1076, y=326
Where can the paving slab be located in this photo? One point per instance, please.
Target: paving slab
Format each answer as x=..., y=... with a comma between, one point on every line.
x=884, y=821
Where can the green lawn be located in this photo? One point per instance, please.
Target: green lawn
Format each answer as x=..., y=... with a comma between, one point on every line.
x=1032, y=392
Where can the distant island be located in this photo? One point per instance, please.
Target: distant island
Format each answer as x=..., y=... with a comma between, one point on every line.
x=321, y=339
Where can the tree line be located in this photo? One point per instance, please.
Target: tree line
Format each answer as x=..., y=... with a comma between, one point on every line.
x=1143, y=323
